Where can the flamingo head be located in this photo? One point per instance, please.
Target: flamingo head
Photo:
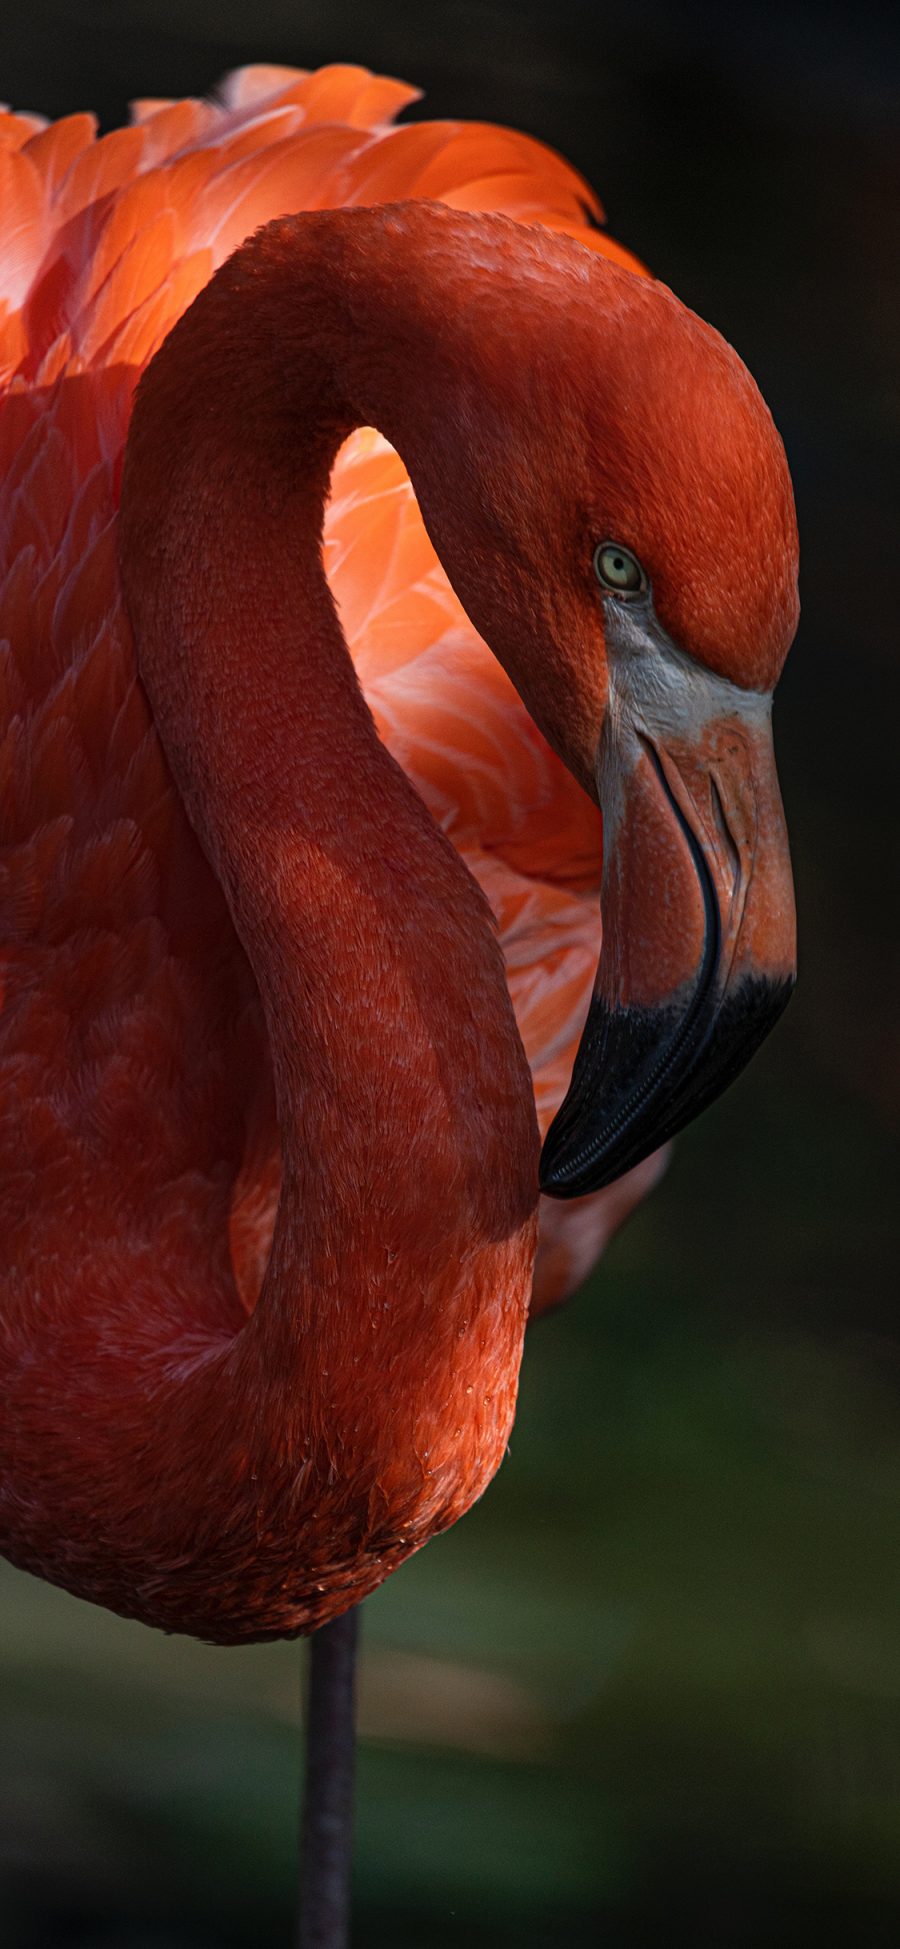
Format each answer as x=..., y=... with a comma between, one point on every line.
x=610, y=498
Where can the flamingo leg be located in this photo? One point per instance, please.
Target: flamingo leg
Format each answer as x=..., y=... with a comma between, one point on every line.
x=327, y=1826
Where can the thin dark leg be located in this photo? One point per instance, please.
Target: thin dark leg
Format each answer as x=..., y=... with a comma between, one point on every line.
x=327, y=1833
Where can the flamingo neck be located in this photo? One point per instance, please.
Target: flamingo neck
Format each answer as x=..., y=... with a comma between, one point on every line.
x=405, y=1230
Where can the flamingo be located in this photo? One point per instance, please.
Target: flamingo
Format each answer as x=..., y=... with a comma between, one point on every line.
x=435, y=531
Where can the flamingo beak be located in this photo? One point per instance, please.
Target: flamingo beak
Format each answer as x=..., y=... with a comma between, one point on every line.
x=699, y=948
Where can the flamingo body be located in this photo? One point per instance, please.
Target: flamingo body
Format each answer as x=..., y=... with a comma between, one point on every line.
x=180, y=1014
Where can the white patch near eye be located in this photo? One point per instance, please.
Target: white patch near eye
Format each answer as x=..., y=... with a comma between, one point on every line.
x=655, y=689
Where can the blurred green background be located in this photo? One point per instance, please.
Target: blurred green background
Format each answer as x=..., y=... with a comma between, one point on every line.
x=649, y=1691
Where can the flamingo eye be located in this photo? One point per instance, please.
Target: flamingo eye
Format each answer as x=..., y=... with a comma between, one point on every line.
x=618, y=570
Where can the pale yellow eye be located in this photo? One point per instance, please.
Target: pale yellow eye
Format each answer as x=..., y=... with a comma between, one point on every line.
x=618, y=570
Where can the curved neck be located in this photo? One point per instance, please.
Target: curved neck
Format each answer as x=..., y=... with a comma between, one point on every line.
x=373, y=948
x=404, y=1099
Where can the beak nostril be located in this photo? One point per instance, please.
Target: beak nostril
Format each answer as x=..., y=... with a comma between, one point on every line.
x=729, y=843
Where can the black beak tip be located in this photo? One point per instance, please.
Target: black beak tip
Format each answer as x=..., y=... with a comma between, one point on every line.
x=641, y=1074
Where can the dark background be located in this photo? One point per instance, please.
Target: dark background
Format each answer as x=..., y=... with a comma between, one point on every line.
x=649, y=1691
